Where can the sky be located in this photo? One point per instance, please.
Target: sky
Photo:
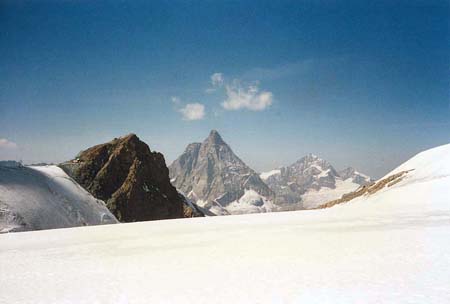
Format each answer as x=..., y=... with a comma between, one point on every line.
x=359, y=83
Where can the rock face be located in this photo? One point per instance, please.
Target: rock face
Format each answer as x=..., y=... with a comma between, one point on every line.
x=211, y=175
x=355, y=176
x=311, y=181
x=44, y=197
x=131, y=179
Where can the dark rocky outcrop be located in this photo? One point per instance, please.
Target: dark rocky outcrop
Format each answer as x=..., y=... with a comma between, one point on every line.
x=131, y=179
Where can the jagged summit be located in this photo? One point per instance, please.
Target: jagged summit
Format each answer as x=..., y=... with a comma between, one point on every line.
x=215, y=138
x=210, y=173
x=309, y=181
x=130, y=136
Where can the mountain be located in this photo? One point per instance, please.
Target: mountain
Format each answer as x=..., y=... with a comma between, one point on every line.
x=421, y=183
x=213, y=176
x=131, y=179
x=390, y=246
x=311, y=181
x=44, y=197
x=355, y=176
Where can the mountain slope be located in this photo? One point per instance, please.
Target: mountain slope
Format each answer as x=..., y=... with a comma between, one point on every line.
x=421, y=183
x=213, y=176
x=44, y=197
x=311, y=181
x=131, y=179
x=389, y=247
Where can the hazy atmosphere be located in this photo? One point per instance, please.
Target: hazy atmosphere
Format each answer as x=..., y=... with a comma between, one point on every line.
x=359, y=85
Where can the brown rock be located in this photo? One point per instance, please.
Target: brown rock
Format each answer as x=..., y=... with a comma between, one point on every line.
x=131, y=179
x=368, y=189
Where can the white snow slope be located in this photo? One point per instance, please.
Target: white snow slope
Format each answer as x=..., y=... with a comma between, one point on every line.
x=390, y=247
x=44, y=197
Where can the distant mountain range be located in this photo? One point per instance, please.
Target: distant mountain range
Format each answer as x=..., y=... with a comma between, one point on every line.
x=124, y=180
x=310, y=181
x=210, y=174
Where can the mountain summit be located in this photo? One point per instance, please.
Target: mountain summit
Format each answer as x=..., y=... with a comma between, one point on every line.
x=215, y=138
x=211, y=174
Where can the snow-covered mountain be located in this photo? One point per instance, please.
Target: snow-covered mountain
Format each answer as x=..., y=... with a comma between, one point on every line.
x=388, y=246
x=216, y=179
x=422, y=183
x=44, y=197
x=311, y=181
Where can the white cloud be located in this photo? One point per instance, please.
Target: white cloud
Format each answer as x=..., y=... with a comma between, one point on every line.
x=217, y=79
x=6, y=144
x=193, y=111
x=250, y=97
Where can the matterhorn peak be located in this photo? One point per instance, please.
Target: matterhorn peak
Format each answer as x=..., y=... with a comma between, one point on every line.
x=214, y=177
x=214, y=137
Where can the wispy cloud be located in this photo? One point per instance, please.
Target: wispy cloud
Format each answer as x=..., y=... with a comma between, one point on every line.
x=193, y=111
x=6, y=144
x=217, y=79
x=246, y=97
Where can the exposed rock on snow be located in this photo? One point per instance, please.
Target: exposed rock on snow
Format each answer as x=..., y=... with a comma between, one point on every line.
x=131, y=179
x=44, y=197
x=419, y=182
x=212, y=175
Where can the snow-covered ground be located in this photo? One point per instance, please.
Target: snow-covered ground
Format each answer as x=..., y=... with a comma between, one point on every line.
x=265, y=175
x=250, y=202
x=314, y=198
x=45, y=197
x=389, y=247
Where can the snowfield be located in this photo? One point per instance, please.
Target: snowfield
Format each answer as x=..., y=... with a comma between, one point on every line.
x=314, y=198
x=388, y=247
x=45, y=197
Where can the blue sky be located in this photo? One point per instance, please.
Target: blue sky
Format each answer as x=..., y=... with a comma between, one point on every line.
x=364, y=84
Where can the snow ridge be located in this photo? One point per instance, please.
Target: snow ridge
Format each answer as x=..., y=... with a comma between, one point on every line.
x=44, y=197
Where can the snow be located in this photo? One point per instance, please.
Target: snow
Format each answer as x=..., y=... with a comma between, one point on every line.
x=361, y=174
x=266, y=175
x=388, y=247
x=323, y=173
x=45, y=197
x=250, y=202
x=424, y=190
x=314, y=198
